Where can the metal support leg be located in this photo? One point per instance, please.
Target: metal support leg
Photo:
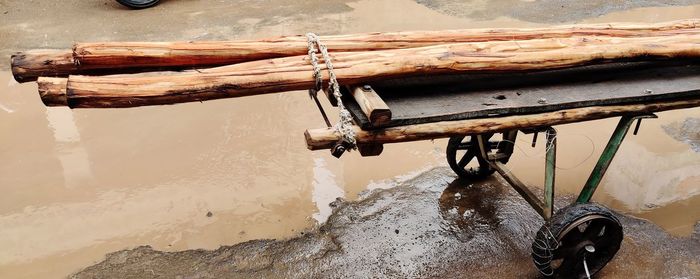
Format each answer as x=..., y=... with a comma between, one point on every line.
x=497, y=162
x=507, y=146
x=608, y=154
x=550, y=165
x=519, y=187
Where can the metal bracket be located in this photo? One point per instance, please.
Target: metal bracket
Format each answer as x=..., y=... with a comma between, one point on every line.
x=340, y=147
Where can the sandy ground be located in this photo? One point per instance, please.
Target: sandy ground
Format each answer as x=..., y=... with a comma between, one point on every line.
x=77, y=185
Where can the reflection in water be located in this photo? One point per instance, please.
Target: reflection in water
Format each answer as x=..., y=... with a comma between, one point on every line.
x=325, y=190
x=73, y=157
x=650, y=180
x=468, y=209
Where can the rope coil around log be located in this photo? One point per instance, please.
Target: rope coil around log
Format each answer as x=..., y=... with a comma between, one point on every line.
x=344, y=125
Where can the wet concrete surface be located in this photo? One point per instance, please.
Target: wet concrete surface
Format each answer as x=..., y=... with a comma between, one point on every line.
x=432, y=226
x=686, y=131
x=79, y=184
x=543, y=11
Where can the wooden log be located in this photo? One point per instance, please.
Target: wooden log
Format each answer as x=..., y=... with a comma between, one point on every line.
x=52, y=90
x=325, y=138
x=87, y=57
x=26, y=66
x=376, y=110
x=294, y=73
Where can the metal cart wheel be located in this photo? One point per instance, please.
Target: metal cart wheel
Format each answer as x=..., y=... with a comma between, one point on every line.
x=579, y=241
x=461, y=150
x=138, y=4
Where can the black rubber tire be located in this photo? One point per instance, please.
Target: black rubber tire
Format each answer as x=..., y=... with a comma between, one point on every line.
x=471, y=173
x=563, y=219
x=138, y=4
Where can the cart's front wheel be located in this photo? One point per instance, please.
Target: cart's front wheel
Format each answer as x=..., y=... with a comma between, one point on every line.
x=462, y=150
x=579, y=241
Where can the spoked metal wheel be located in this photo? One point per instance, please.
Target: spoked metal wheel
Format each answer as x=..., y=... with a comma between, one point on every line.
x=578, y=242
x=138, y=4
x=461, y=151
x=465, y=159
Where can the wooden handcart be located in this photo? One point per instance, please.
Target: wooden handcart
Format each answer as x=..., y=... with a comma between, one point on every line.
x=575, y=241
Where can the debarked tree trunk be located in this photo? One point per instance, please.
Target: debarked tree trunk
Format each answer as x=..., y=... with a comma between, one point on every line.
x=121, y=57
x=295, y=73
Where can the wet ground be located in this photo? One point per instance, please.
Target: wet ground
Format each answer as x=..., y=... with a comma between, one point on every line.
x=77, y=185
x=429, y=226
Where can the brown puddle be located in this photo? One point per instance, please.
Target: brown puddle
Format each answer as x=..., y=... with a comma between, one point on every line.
x=79, y=184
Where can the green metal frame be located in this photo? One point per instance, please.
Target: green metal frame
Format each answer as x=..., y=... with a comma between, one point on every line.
x=545, y=207
x=549, y=169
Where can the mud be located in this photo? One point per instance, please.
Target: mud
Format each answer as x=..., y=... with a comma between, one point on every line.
x=430, y=226
x=79, y=184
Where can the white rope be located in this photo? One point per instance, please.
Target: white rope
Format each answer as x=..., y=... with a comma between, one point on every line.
x=542, y=154
x=344, y=125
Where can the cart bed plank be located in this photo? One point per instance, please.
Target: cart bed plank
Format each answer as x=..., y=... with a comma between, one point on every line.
x=420, y=100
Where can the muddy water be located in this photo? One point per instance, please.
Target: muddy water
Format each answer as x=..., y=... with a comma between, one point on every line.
x=79, y=184
x=652, y=176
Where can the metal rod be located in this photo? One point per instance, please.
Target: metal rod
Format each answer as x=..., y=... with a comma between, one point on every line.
x=606, y=157
x=494, y=160
x=509, y=138
x=534, y=139
x=636, y=128
x=320, y=108
x=549, y=172
x=519, y=187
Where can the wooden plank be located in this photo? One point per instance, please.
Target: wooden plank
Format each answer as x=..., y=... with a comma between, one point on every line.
x=373, y=107
x=325, y=138
x=478, y=96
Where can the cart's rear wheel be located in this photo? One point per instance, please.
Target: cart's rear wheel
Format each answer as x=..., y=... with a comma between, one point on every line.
x=577, y=233
x=462, y=150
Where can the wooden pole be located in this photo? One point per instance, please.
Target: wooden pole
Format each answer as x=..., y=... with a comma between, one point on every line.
x=27, y=66
x=53, y=90
x=295, y=73
x=116, y=56
x=325, y=138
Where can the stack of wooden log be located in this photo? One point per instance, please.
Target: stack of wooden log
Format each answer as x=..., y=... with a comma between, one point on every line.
x=129, y=74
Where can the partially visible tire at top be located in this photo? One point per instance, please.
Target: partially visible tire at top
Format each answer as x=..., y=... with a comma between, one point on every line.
x=577, y=233
x=138, y=4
